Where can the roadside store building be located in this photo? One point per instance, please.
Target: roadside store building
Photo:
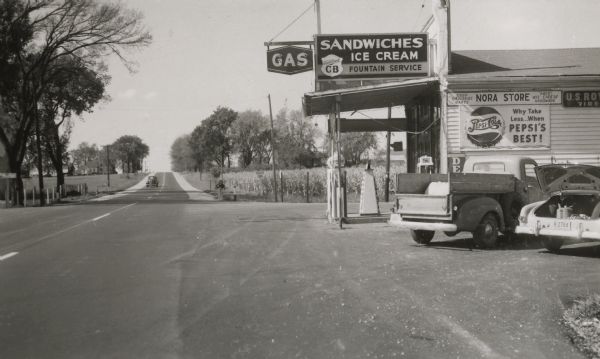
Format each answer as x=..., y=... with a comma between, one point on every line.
x=540, y=103
x=544, y=104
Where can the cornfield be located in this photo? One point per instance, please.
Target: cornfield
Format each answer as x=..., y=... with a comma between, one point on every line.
x=296, y=183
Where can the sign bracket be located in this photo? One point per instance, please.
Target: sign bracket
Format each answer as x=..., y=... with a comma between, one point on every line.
x=288, y=43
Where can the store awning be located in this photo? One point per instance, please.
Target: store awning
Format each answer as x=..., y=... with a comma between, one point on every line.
x=368, y=97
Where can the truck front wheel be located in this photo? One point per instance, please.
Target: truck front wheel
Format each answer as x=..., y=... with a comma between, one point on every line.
x=486, y=233
x=421, y=237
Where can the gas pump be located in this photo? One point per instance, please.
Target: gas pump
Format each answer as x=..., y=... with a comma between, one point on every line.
x=425, y=164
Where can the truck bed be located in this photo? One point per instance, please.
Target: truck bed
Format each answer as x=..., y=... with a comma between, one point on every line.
x=460, y=183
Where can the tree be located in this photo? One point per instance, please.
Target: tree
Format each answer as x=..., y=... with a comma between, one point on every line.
x=250, y=135
x=107, y=160
x=296, y=140
x=86, y=158
x=130, y=151
x=211, y=141
x=52, y=143
x=354, y=145
x=182, y=158
x=36, y=35
x=72, y=91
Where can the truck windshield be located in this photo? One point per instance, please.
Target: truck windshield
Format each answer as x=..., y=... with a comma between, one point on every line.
x=489, y=167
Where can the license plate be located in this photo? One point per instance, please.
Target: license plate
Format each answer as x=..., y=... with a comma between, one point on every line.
x=562, y=225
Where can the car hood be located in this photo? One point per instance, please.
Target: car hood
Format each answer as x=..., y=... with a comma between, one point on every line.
x=557, y=178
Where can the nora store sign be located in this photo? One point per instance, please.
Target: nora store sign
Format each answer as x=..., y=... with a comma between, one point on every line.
x=505, y=120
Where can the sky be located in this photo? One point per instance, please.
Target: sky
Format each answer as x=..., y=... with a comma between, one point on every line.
x=207, y=54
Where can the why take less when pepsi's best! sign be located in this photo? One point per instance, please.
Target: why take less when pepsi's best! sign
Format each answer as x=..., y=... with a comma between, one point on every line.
x=505, y=120
x=371, y=56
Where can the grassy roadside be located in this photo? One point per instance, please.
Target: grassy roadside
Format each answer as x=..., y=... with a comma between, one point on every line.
x=583, y=321
x=200, y=181
x=118, y=182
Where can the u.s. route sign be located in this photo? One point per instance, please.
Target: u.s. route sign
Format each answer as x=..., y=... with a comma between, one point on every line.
x=289, y=60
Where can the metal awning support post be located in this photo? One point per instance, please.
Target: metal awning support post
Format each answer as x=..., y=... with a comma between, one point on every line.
x=338, y=100
x=387, y=158
x=331, y=183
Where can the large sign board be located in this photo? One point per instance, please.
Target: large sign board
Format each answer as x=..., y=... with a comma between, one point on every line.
x=289, y=60
x=509, y=120
x=507, y=127
x=504, y=98
x=456, y=162
x=371, y=56
x=587, y=98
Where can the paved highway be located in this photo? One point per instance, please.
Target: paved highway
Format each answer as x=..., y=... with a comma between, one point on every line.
x=160, y=273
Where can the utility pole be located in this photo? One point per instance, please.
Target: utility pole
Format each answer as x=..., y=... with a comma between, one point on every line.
x=108, y=166
x=318, y=6
x=39, y=156
x=318, y=9
x=273, y=149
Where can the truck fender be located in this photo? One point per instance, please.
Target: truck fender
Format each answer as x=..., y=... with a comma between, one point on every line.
x=511, y=206
x=472, y=210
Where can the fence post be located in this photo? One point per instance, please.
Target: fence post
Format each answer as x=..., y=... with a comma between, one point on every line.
x=33, y=194
x=345, y=191
x=24, y=197
x=47, y=195
x=307, y=187
x=281, y=184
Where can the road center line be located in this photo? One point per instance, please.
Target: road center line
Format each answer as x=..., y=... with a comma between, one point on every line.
x=29, y=243
x=100, y=217
x=6, y=256
x=471, y=339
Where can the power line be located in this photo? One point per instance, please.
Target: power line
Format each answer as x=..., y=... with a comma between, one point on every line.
x=399, y=129
x=292, y=23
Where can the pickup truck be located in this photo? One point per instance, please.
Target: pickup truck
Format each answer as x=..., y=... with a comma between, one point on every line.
x=485, y=199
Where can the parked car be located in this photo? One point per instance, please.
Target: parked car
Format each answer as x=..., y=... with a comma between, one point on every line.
x=572, y=211
x=152, y=181
x=485, y=199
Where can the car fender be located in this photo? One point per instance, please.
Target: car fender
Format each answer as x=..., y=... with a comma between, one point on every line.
x=529, y=208
x=472, y=210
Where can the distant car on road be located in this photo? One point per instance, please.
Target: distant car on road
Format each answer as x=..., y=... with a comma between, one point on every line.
x=572, y=213
x=152, y=181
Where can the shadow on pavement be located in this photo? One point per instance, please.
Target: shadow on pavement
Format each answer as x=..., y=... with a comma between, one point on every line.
x=589, y=250
x=505, y=242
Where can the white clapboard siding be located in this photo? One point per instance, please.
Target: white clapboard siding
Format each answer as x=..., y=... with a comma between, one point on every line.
x=453, y=129
x=574, y=137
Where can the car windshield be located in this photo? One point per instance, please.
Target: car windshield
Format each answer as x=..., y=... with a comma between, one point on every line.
x=489, y=167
